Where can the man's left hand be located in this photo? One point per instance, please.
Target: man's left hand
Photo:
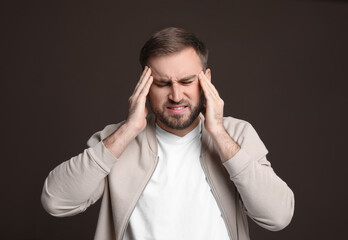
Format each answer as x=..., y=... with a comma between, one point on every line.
x=213, y=123
x=214, y=108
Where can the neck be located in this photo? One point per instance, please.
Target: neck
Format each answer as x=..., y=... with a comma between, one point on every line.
x=179, y=132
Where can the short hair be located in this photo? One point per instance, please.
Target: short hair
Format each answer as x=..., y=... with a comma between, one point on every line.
x=171, y=40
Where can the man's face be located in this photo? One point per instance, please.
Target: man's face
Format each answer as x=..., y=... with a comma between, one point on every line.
x=175, y=95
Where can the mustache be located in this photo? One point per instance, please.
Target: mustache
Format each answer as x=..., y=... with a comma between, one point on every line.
x=181, y=102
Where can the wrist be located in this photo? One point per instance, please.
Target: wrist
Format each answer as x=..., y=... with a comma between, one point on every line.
x=129, y=130
x=120, y=139
x=226, y=146
x=217, y=131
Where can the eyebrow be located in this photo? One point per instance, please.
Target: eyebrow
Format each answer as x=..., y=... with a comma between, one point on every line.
x=166, y=80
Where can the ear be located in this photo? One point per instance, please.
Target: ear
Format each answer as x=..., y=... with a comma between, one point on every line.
x=208, y=74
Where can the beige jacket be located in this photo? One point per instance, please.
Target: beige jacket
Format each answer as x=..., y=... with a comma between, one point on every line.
x=244, y=185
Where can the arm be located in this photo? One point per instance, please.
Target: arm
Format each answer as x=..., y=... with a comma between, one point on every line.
x=77, y=183
x=267, y=199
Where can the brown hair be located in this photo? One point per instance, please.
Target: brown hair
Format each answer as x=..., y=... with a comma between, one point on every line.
x=172, y=40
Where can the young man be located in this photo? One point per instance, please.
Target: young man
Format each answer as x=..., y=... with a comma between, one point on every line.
x=183, y=172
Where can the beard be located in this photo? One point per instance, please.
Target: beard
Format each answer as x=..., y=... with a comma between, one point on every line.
x=178, y=121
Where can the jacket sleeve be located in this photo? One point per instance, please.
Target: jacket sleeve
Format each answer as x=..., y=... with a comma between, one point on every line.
x=79, y=182
x=267, y=198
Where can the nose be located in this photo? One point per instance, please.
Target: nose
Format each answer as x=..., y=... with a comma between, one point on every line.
x=176, y=93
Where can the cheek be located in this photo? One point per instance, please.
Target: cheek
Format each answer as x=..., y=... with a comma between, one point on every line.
x=152, y=92
x=195, y=91
x=154, y=95
x=150, y=97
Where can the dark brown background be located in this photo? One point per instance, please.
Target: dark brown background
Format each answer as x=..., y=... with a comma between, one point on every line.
x=68, y=69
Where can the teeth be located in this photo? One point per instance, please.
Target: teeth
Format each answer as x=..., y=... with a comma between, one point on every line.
x=178, y=108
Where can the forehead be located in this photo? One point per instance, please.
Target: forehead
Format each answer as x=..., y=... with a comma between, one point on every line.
x=176, y=65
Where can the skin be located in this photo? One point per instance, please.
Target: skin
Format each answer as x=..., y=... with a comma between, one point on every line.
x=174, y=84
x=176, y=92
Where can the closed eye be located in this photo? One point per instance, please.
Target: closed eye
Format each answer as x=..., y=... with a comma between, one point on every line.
x=167, y=83
x=186, y=82
x=162, y=84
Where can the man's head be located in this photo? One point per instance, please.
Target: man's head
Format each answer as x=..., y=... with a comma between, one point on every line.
x=172, y=40
x=175, y=57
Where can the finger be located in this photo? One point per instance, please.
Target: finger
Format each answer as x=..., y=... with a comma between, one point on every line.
x=142, y=82
x=146, y=88
x=141, y=76
x=141, y=98
x=209, y=85
x=205, y=86
x=144, y=71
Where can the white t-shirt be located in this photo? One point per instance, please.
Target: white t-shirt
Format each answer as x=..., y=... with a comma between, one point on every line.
x=177, y=203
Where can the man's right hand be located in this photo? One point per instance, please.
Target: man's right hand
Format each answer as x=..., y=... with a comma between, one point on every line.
x=136, y=120
x=137, y=113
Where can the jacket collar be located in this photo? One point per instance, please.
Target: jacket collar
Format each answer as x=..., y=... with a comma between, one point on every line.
x=151, y=133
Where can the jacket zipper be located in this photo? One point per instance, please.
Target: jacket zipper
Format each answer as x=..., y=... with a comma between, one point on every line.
x=214, y=194
x=128, y=217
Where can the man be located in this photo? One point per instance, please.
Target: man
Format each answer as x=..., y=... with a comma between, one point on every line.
x=183, y=172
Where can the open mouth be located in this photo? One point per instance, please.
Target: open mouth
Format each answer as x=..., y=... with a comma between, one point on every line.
x=177, y=109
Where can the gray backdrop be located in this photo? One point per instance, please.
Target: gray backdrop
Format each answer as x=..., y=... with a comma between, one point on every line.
x=68, y=68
